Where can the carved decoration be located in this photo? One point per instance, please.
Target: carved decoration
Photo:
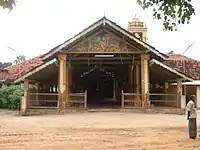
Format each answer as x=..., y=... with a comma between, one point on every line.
x=138, y=35
x=103, y=42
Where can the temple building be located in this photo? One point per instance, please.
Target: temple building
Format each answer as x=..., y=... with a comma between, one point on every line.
x=103, y=66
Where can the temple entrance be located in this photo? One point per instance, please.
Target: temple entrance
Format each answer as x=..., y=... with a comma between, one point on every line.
x=100, y=86
x=103, y=84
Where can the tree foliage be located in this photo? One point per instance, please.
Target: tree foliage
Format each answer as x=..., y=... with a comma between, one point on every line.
x=10, y=97
x=171, y=12
x=170, y=53
x=20, y=59
x=8, y=4
x=5, y=65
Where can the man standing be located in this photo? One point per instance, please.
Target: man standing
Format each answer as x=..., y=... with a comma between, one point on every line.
x=191, y=116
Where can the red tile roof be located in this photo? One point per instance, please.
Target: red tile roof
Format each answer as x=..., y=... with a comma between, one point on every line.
x=178, y=57
x=15, y=71
x=192, y=67
x=176, y=61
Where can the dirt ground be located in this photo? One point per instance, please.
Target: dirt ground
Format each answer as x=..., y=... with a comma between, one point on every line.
x=96, y=131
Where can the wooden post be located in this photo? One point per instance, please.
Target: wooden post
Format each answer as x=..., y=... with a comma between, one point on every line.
x=145, y=78
x=166, y=92
x=85, y=99
x=69, y=78
x=131, y=79
x=122, y=102
x=24, y=103
x=37, y=91
x=179, y=93
x=62, y=83
x=137, y=77
x=67, y=83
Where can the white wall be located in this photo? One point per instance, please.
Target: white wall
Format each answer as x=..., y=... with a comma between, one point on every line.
x=198, y=96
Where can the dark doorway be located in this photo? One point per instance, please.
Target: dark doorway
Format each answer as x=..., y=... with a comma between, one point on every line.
x=100, y=84
x=103, y=84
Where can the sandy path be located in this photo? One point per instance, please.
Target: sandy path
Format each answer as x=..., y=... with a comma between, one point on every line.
x=96, y=131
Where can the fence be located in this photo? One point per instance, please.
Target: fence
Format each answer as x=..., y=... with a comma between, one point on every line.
x=130, y=100
x=162, y=99
x=78, y=100
x=42, y=100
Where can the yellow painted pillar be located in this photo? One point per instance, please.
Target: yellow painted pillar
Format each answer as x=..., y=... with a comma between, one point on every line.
x=145, y=78
x=62, y=82
x=179, y=93
x=24, y=101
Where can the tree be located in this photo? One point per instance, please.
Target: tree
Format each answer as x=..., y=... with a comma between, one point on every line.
x=171, y=12
x=170, y=53
x=5, y=65
x=7, y=4
x=20, y=59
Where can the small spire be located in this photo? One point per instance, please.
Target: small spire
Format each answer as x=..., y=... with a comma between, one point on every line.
x=135, y=18
x=104, y=14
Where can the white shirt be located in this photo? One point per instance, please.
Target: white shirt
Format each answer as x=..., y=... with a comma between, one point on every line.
x=190, y=107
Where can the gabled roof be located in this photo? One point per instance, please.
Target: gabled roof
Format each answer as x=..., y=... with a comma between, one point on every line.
x=102, y=22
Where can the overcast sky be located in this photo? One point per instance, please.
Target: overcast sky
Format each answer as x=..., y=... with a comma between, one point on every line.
x=36, y=26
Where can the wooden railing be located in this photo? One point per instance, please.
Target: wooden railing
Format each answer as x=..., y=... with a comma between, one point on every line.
x=130, y=100
x=50, y=100
x=78, y=100
x=42, y=100
x=163, y=99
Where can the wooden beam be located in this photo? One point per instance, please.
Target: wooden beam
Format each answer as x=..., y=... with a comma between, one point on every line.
x=101, y=62
x=94, y=58
x=101, y=52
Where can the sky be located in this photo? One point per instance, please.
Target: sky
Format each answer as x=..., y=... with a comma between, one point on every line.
x=36, y=26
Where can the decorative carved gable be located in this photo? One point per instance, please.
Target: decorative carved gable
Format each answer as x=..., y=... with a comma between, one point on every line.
x=103, y=42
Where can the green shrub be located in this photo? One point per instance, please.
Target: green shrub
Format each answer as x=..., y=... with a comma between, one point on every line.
x=10, y=97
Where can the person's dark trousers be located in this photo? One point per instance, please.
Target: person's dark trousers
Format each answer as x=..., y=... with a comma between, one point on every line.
x=192, y=124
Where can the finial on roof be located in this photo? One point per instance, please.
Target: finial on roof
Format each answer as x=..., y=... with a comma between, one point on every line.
x=135, y=18
x=104, y=14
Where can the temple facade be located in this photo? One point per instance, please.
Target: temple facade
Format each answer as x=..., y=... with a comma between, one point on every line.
x=103, y=66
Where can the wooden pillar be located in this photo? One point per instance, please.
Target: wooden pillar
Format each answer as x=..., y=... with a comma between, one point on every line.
x=62, y=77
x=70, y=69
x=145, y=78
x=179, y=93
x=137, y=77
x=130, y=68
x=166, y=92
x=37, y=91
x=67, y=82
x=24, y=102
